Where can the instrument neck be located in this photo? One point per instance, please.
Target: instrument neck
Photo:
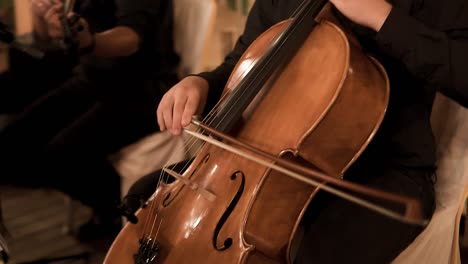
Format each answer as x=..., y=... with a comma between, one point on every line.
x=279, y=54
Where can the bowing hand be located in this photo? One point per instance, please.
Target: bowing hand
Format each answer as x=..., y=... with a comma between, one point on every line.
x=368, y=13
x=40, y=7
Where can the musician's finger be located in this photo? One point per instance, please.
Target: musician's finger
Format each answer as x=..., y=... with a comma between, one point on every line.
x=167, y=116
x=54, y=20
x=40, y=7
x=179, y=106
x=160, y=117
x=73, y=18
x=165, y=109
x=54, y=10
x=43, y=3
x=54, y=26
x=190, y=109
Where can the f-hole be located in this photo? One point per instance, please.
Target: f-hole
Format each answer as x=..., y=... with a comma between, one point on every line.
x=237, y=176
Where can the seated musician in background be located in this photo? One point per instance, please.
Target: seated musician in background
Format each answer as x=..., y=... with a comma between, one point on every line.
x=65, y=127
x=423, y=46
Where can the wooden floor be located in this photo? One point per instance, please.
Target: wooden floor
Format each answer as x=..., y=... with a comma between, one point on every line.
x=37, y=220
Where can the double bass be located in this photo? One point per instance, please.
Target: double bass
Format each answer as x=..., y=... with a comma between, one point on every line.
x=301, y=105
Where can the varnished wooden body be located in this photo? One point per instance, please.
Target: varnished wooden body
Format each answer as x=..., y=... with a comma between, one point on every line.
x=321, y=111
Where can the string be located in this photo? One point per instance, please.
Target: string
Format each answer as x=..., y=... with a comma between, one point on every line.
x=285, y=35
x=211, y=115
x=323, y=186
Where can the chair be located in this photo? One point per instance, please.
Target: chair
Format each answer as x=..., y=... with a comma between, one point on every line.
x=193, y=25
x=439, y=242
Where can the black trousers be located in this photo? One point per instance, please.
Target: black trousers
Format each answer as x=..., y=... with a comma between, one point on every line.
x=338, y=231
x=63, y=138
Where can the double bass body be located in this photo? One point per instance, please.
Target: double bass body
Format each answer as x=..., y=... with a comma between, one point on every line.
x=321, y=111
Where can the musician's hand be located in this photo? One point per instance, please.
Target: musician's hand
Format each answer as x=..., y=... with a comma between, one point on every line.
x=181, y=102
x=369, y=13
x=52, y=19
x=40, y=7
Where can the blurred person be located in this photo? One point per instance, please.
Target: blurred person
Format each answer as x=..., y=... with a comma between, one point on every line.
x=80, y=104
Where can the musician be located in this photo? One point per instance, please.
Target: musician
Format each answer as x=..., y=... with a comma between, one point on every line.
x=423, y=45
x=125, y=63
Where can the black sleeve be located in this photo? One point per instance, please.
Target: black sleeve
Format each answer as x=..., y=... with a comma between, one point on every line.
x=139, y=15
x=434, y=56
x=257, y=22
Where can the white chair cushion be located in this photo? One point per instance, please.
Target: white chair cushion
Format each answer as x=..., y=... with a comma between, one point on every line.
x=438, y=243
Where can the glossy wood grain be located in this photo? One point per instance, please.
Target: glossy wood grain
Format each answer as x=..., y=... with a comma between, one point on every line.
x=320, y=111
